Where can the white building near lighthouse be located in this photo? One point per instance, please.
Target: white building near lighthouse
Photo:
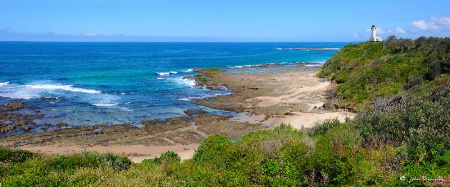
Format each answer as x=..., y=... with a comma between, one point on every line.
x=374, y=37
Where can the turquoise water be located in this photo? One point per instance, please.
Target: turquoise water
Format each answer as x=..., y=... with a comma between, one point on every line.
x=115, y=83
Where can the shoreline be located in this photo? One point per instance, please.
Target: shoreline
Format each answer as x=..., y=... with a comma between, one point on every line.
x=262, y=99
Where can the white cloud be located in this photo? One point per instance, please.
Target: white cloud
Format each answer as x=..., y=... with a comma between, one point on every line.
x=434, y=26
x=399, y=30
x=441, y=22
x=420, y=24
x=355, y=35
x=434, y=23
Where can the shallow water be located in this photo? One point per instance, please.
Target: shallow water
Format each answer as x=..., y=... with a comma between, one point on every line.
x=116, y=83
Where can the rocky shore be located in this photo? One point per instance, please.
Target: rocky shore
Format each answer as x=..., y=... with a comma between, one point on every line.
x=264, y=97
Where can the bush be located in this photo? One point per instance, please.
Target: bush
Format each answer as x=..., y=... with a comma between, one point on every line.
x=116, y=162
x=89, y=159
x=168, y=156
x=212, y=149
x=14, y=155
x=412, y=81
x=324, y=127
x=434, y=71
x=419, y=122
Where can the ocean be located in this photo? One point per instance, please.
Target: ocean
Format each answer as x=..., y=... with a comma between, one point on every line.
x=116, y=83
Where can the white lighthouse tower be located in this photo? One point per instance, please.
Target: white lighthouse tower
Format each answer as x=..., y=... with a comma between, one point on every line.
x=374, y=37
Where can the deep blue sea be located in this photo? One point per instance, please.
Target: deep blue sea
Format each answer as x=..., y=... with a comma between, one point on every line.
x=116, y=83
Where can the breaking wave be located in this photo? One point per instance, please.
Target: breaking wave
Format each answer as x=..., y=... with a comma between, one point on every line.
x=62, y=87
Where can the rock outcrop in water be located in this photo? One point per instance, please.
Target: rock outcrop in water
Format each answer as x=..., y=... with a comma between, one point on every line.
x=12, y=119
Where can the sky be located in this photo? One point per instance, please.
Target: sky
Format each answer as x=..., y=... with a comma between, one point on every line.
x=221, y=20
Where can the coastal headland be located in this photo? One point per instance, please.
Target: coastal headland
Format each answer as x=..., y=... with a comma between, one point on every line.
x=264, y=97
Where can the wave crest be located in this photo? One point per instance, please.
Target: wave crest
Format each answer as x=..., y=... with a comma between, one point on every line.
x=62, y=87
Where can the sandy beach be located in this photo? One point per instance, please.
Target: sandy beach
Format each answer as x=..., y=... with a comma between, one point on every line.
x=263, y=98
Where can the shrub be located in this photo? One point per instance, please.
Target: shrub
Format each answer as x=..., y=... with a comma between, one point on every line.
x=169, y=156
x=324, y=127
x=412, y=81
x=212, y=149
x=116, y=162
x=14, y=155
x=434, y=71
x=419, y=122
x=89, y=159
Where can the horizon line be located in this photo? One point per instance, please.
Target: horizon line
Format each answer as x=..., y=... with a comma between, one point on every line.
x=70, y=41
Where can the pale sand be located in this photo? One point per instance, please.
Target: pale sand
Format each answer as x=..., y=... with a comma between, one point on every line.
x=136, y=153
x=295, y=96
x=297, y=120
x=300, y=88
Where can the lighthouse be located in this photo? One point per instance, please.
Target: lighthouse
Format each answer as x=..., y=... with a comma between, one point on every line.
x=374, y=37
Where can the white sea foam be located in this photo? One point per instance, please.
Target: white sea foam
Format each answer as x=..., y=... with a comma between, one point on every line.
x=251, y=66
x=19, y=92
x=101, y=100
x=160, y=78
x=61, y=87
x=126, y=109
x=188, y=82
x=166, y=73
x=37, y=90
x=162, y=73
x=188, y=70
x=105, y=104
x=185, y=99
x=183, y=81
x=203, y=96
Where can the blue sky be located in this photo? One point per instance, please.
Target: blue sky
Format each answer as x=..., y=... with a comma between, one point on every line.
x=220, y=20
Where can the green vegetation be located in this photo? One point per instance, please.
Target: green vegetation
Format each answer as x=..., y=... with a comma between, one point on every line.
x=207, y=74
x=23, y=168
x=399, y=138
x=211, y=72
x=330, y=154
x=366, y=71
x=203, y=79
